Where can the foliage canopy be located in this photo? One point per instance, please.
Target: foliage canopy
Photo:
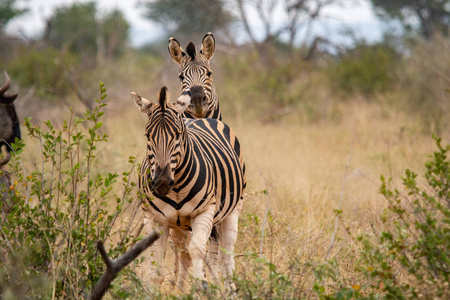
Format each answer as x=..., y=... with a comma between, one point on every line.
x=431, y=15
x=78, y=29
x=189, y=17
x=8, y=11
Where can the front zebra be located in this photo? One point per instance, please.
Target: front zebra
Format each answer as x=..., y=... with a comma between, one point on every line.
x=196, y=78
x=194, y=170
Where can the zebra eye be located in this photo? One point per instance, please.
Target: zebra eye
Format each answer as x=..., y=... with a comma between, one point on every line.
x=181, y=77
x=209, y=74
x=178, y=136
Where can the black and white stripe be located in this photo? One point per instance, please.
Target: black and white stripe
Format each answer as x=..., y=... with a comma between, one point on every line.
x=195, y=75
x=195, y=174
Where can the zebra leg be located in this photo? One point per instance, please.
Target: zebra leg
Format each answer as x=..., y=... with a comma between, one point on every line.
x=201, y=230
x=157, y=250
x=228, y=231
x=212, y=257
x=180, y=240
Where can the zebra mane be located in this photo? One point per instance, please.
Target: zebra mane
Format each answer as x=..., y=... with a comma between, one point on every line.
x=190, y=49
x=163, y=98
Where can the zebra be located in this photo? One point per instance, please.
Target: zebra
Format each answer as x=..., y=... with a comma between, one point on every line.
x=196, y=174
x=197, y=84
x=196, y=77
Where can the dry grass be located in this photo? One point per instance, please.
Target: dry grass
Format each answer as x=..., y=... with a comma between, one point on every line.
x=303, y=168
x=301, y=165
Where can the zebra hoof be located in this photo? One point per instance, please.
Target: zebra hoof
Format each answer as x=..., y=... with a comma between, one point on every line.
x=204, y=285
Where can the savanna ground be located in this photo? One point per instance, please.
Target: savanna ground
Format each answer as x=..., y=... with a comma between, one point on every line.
x=314, y=153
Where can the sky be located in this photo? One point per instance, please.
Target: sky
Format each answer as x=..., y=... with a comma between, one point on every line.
x=356, y=14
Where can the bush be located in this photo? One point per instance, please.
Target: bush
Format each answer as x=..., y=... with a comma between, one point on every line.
x=44, y=69
x=410, y=258
x=61, y=209
x=270, y=92
x=366, y=69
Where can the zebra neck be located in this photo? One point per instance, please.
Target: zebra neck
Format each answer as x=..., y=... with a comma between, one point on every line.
x=187, y=155
x=215, y=112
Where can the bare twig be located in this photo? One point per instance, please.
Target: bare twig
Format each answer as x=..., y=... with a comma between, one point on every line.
x=243, y=16
x=115, y=266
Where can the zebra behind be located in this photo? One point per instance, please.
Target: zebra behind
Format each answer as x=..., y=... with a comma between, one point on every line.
x=195, y=172
x=198, y=88
x=196, y=77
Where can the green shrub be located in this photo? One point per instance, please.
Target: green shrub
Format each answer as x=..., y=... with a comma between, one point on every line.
x=410, y=257
x=365, y=69
x=44, y=69
x=417, y=242
x=263, y=281
x=61, y=209
x=269, y=92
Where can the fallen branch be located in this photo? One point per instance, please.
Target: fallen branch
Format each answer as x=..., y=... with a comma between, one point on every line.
x=114, y=266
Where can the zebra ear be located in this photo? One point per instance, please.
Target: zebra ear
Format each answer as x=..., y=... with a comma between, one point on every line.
x=175, y=51
x=183, y=102
x=144, y=105
x=208, y=45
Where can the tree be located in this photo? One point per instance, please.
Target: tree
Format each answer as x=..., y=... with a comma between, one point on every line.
x=115, y=31
x=78, y=29
x=189, y=18
x=431, y=15
x=297, y=14
x=74, y=28
x=8, y=11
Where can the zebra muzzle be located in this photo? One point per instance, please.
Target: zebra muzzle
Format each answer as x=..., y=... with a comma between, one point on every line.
x=163, y=182
x=198, y=101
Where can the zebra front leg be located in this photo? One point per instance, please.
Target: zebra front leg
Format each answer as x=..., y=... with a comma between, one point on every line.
x=157, y=250
x=181, y=240
x=228, y=231
x=201, y=230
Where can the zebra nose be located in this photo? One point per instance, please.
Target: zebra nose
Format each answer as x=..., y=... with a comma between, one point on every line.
x=197, y=94
x=163, y=181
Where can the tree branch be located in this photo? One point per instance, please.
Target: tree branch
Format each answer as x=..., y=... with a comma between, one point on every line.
x=244, y=20
x=115, y=266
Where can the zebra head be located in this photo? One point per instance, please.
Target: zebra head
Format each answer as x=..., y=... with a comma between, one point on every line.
x=166, y=133
x=196, y=77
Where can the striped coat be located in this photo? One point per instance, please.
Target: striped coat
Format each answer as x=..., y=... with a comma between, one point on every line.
x=195, y=172
x=195, y=75
x=208, y=150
